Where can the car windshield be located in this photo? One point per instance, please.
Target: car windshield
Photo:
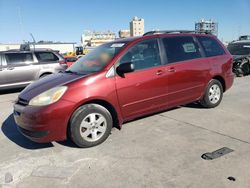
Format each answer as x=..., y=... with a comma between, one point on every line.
x=239, y=49
x=97, y=59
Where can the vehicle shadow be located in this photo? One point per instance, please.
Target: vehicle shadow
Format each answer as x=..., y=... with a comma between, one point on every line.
x=9, y=128
x=193, y=105
x=196, y=105
x=9, y=91
x=68, y=143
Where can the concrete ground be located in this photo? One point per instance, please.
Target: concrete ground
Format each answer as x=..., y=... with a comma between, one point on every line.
x=162, y=150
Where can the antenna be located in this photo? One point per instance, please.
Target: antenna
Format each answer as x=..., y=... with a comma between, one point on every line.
x=34, y=41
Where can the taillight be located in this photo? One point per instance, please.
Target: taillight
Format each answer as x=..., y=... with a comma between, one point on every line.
x=62, y=62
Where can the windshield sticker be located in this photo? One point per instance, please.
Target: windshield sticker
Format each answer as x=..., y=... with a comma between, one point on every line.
x=117, y=45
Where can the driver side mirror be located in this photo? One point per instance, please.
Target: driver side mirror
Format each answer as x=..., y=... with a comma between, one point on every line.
x=125, y=68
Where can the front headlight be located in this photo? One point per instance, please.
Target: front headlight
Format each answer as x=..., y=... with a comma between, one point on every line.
x=48, y=97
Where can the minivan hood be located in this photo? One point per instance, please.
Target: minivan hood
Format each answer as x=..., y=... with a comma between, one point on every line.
x=47, y=83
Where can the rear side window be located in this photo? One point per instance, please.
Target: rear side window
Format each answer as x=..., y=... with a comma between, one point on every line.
x=181, y=49
x=210, y=46
x=46, y=56
x=18, y=58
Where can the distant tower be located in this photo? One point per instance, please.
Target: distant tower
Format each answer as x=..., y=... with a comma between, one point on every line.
x=204, y=26
x=137, y=27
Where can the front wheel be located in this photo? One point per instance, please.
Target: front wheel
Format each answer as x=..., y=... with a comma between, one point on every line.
x=213, y=94
x=90, y=125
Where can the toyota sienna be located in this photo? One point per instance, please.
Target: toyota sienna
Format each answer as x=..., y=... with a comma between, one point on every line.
x=123, y=80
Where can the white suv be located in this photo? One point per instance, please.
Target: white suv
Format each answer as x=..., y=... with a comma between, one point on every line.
x=20, y=68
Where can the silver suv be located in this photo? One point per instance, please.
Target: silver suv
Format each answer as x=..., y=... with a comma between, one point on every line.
x=20, y=68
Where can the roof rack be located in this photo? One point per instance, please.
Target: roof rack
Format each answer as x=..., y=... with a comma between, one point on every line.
x=168, y=31
x=26, y=50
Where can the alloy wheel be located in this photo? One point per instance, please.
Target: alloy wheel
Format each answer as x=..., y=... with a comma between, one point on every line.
x=214, y=94
x=93, y=127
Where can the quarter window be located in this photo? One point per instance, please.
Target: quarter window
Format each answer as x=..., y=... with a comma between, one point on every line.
x=210, y=46
x=18, y=58
x=143, y=55
x=181, y=49
x=46, y=56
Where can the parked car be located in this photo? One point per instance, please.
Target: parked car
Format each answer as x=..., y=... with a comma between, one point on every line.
x=123, y=80
x=19, y=68
x=69, y=60
x=241, y=53
x=244, y=37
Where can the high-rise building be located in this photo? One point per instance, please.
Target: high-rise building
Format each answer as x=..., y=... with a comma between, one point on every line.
x=204, y=26
x=137, y=27
x=124, y=33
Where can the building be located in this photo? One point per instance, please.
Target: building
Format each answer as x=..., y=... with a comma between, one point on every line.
x=124, y=33
x=93, y=39
x=61, y=47
x=204, y=26
x=137, y=27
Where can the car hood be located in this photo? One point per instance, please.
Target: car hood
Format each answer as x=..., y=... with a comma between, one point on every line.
x=47, y=83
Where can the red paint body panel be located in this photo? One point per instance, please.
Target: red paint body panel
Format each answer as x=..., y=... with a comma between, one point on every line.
x=134, y=95
x=141, y=92
x=53, y=118
x=188, y=82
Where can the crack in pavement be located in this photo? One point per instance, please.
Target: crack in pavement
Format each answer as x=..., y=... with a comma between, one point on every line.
x=24, y=166
x=197, y=126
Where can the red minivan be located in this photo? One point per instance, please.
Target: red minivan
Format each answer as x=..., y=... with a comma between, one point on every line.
x=123, y=80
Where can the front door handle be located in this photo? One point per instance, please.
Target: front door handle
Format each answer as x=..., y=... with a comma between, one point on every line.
x=10, y=68
x=171, y=70
x=159, y=72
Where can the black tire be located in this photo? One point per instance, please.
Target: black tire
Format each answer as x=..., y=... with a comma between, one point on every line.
x=79, y=116
x=206, y=101
x=245, y=68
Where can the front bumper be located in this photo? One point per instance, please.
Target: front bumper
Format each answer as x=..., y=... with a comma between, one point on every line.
x=44, y=124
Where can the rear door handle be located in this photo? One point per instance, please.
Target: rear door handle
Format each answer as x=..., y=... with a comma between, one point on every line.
x=159, y=72
x=171, y=70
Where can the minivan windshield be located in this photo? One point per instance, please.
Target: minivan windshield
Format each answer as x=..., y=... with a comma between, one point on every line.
x=239, y=48
x=96, y=59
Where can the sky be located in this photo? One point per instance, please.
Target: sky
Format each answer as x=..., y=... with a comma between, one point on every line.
x=65, y=20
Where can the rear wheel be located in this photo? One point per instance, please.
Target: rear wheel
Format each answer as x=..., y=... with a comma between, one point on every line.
x=90, y=125
x=213, y=94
